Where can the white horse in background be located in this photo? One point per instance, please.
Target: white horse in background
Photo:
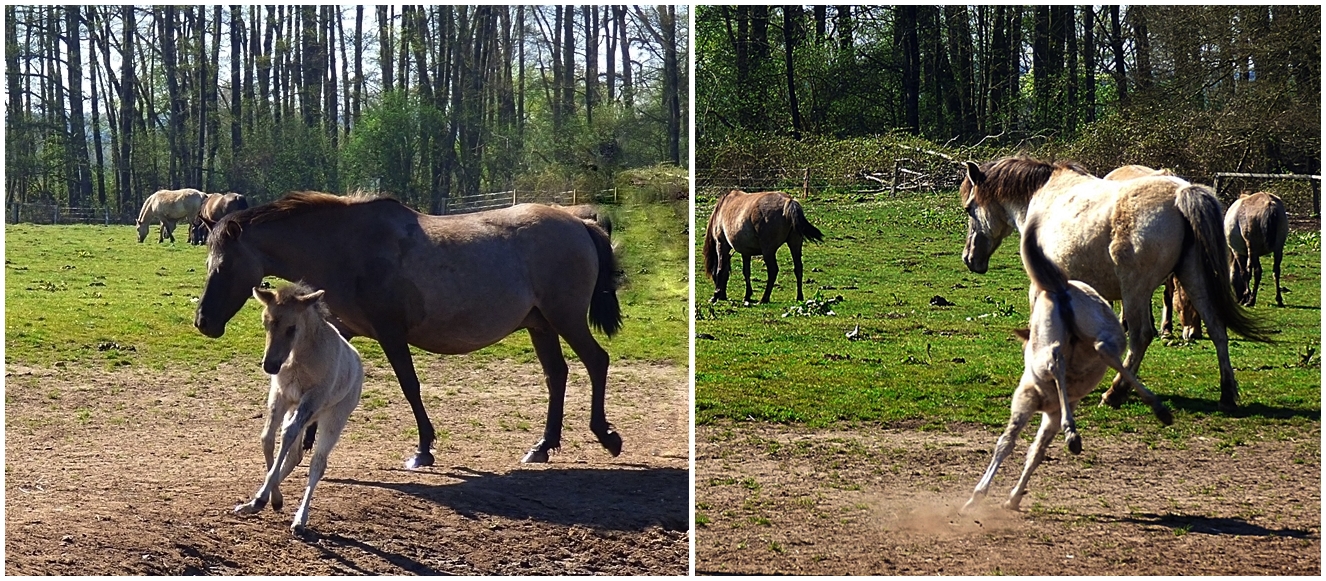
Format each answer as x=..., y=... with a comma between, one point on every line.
x=169, y=207
x=317, y=377
x=1074, y=337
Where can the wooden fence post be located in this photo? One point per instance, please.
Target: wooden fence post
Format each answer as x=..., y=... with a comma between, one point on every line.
x=805, y=184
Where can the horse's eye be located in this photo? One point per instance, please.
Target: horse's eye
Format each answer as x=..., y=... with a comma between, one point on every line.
x=290, y=332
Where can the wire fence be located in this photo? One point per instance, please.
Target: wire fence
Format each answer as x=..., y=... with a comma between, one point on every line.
x=31, y=213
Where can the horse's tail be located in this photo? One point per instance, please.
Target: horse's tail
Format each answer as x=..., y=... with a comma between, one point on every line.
x=1045, y=274
x=1201, y=209
x=801, y=224
x=605, y=313
x=711, y=239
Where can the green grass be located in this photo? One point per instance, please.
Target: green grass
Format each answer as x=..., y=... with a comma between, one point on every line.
x=93, y=296
x=933, y=365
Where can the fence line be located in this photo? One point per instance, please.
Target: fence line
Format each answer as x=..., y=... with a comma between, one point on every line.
x=55, y=214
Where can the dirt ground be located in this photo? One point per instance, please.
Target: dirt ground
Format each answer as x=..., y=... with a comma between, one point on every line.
x=884, y=501
x=136, y=472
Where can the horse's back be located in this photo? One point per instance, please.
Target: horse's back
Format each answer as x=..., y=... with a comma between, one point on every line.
x=755, y=222
x=1259, y=220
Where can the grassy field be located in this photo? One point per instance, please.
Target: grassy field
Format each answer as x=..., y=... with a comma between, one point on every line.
x=912, y=363
x=93, y=296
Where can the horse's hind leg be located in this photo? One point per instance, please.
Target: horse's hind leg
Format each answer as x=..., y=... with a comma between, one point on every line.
x=1199, y=297
x=577, y=335
x=794, y=245
x=745, y=273
x=1279, y=253
x=549, y=349
x=1110, y=354
x=1035, y=454
x=1022, y=413
x=1256, y=276
x=771, y=265
x=1136, y=307
x=723, y=271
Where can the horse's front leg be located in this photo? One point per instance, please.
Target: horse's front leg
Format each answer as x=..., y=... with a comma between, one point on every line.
x=398, y=353
x=286, y=459
x=723, y=272
x=795, y=248
x=549, y=350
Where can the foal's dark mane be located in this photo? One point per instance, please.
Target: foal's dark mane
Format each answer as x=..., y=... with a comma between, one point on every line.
x=293, y=204
x=1015, y=179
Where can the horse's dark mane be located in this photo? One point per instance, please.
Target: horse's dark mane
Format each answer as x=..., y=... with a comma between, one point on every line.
x=1017, y=178
x=294, y=203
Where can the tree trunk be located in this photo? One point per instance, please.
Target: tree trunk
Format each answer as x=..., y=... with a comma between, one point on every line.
x=791, y=32
x=1116, y=43
x=1089, y=62
x=82, y=179
x=591, y=16
x=384, y=47
x=628, y=90
x=357, y=99
x=95, y=75
x=127, y=82
x=236, y=100
x=960, y=58
x=568, y=63
x=1137, y=13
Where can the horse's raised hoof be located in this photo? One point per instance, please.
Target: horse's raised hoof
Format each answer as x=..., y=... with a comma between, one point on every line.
x=1075, y=444
x=419, y=461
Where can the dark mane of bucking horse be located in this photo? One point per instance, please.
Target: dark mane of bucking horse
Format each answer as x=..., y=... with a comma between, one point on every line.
x=1016, y=178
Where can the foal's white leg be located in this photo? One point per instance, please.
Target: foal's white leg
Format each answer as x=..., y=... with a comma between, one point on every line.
x=1036, y=453
x=329, y=432
x=284, y=462
x=1003, y=448
x=276, y=410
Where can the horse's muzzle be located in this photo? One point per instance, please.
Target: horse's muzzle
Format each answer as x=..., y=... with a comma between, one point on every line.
x=205, y=327
x=271, y=367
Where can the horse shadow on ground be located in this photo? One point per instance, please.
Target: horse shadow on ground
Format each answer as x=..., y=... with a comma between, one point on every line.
x=623, y=499
x=1210, y=525
x=1210, y=407
x=406, y=564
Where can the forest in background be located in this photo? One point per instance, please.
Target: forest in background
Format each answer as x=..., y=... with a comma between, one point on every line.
x=846, y=89
x=107, y=104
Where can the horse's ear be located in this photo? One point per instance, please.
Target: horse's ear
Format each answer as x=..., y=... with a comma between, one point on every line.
x=264, y=296
x=310, y=298
x=974, y=174
x=1023, y=335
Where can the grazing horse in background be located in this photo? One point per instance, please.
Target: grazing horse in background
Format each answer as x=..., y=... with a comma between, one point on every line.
x=1123, y=238
x=1074, y=337
x=317, y=377
x=1256, y=225
x=216, y=206
x=755, y=223
x=445, y=284
x=591, y=212
x=169, y=207
x=1167, y=307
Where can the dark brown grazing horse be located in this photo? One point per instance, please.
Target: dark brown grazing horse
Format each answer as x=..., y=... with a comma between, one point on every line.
x=1255, y=226
x=754, y=223
x=216, y=207
x=590, y=212
x=445, y=284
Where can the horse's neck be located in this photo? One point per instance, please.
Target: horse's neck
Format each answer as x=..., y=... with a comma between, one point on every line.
x=316, y=351
x=1017, y=212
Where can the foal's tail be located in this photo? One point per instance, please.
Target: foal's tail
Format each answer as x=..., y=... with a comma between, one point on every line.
x=711, y=237
x=1044, y=274
x=605, y=313
x=1200, y=207
x=801, y=224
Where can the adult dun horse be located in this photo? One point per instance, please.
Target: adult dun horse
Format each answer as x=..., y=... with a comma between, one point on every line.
x=169, y=207
x=1256, y=225
x=754, y=223
x=1172, y=289
x=1122, y=238
x=445, y=284
x=215, y=208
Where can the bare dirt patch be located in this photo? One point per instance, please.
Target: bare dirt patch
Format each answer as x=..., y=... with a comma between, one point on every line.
x=136, y=472
x=778, y=499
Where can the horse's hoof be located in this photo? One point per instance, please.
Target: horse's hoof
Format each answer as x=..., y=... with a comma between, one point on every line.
x=1013, y=505
x=535, y=456
x=1111, y=400
x=1227, y=406
x=1163, y=414
x=1075, y=444
x=277, y=503
x=419, y=461
x=302, y=532
x=970, y=506
x=251, y=507
x=612, y=442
